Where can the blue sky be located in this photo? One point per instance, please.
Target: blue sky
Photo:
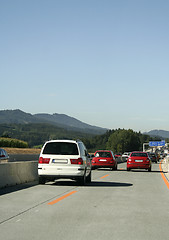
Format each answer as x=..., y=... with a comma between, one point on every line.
x=104, y=62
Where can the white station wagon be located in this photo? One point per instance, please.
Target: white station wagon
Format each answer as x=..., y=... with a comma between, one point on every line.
x=64, y=159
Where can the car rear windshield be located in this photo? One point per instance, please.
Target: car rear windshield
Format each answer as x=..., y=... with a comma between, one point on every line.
x=152, y=154
x=103, y=154
x=139, y=155
x=61, y=148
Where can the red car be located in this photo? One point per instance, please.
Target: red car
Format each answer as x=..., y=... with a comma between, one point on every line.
x=139, y=160
x=117, y=155
x=104, y=159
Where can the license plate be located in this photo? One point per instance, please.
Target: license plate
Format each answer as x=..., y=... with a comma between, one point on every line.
x=60, y=161
x=138, y=160
x=102, y=160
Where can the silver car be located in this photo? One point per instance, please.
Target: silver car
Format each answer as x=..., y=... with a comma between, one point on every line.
x=3, y=154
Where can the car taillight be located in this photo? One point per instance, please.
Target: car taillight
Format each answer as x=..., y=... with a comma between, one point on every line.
x=44, y=160
x=78, y=161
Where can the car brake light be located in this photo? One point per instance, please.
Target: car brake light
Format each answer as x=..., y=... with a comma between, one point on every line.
x=44, y=160
x=78, y=161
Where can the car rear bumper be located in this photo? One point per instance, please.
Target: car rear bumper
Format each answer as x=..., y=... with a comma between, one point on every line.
x=103, y=165
x=138, y=166
x=60, y=171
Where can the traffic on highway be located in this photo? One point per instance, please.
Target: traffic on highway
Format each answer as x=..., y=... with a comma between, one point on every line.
x=108, y=202
x=115, y=205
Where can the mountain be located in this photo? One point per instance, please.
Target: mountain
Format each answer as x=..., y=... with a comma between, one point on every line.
x=60, y=120
x=67, y=122
x=16, y=116
x=158, y=133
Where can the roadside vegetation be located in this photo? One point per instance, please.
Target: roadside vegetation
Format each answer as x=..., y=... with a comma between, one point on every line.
x=119, y=141
x=12, y=143
x=34, y=135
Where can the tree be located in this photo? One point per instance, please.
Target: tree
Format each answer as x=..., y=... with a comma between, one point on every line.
x=123, y=140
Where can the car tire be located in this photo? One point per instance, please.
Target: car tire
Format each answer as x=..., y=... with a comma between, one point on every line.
x=115, y=168
x=128, y=169
x=88, y=178
x=42, y=180
x=82, y=180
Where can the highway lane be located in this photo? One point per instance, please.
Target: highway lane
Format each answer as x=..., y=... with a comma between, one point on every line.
x=116, y=205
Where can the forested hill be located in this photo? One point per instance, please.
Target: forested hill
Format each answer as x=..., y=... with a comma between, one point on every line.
x=158, y=133
x=38, y=128
x=58, y=120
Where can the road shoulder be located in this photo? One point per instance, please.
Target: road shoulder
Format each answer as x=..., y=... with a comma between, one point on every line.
x=165, y=167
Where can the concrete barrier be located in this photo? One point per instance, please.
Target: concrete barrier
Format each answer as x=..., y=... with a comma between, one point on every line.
x=165, y=166
x=13, y=173
x=23, y=157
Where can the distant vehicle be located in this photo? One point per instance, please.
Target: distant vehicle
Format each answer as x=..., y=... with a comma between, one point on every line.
x=153, y=157
x=3, y=154
x=91, y=156
x=104, y=159
x=64, y=159
x=125, y=155
x=165, y=152
x=162, y=155
x=139, y=160
x=118, y=155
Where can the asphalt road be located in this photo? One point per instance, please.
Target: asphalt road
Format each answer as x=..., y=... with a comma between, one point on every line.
x=117, y=205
